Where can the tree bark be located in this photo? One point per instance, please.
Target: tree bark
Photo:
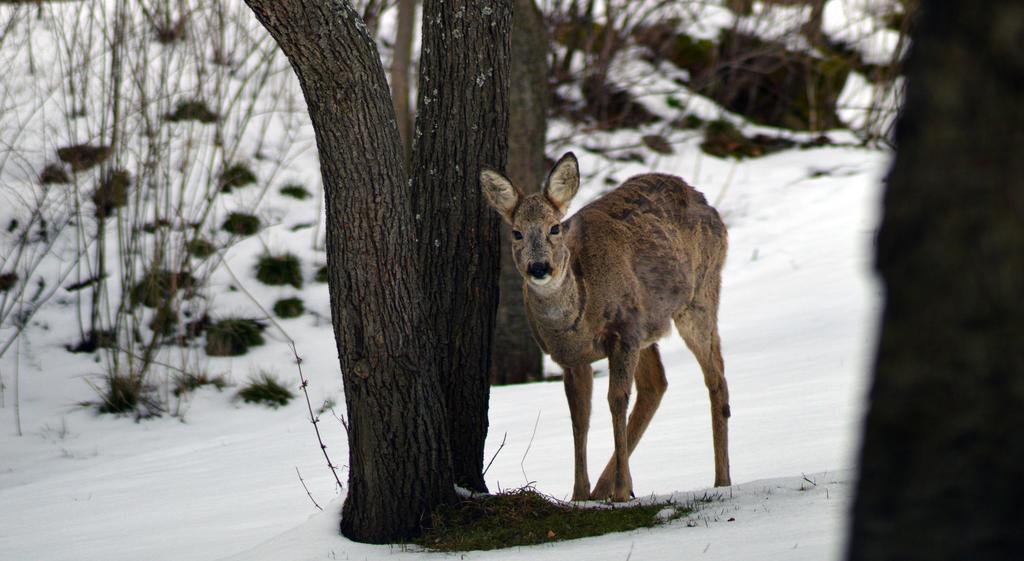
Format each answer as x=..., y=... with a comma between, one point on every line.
x=461, y=126
x=401, y=65
x=942, y=457
x=399, y=461
x=516, y=358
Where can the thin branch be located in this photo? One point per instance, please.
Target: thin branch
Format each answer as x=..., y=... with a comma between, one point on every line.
x=307, y=489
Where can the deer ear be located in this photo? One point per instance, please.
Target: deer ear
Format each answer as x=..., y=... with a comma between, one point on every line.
x=499, y=192
x=563, y=182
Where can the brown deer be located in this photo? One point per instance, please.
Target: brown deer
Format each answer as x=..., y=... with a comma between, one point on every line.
x=605, y=284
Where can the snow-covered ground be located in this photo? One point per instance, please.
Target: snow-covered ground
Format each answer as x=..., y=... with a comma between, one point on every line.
x=797, y=320
x=220, y=480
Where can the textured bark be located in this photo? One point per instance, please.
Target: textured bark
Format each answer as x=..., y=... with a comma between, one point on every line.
x=943, y=453
x=401, y=65
x=516, y=357
x=399, y=464
x=461, y=125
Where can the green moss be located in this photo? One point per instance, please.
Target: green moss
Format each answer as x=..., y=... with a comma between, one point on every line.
x=233, y=336
x=289, y=307
x=321, y=274
x=277, y=270
x=157, y=287
x=237, y=175
x=242, y=224
x=192, y=110
x=266, y=389
x=200, y=248
x=295, y=191
x=525, y=517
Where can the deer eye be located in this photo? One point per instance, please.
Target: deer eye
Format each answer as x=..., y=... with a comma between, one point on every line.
x=556, y=229
x=517, y=234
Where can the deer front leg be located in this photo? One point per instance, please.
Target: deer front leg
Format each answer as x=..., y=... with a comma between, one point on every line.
x=622, y=364
x=579, y=385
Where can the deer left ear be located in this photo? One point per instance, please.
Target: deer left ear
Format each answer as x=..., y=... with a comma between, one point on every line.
x=563, y=182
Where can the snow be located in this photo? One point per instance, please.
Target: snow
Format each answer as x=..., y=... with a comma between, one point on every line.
x=218, y=481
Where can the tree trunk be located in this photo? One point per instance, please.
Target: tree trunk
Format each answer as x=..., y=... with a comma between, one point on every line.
x=399, y=461
x=942, y=457
x=516, y=357
x=461, y=126
x=401, y=64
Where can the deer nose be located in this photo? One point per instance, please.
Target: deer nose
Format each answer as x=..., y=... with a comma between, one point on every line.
x=538, y=270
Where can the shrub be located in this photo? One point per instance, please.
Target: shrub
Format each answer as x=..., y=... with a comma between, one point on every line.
x=53, y=173
x=237, y=175
x=265, y=389
x=93, y=340
x=723, y=139
x=278, y=270
x=8, y=281
x=289, y=307
x=83, y=156
x=241, y=223
x=233, y=336
x=321, y=274
x=158, y=287
x=295, y=191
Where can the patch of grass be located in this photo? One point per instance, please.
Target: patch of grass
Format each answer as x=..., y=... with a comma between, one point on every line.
x=112, y=192
x=241, y=224
x=237, y=175
x=192, y=110
x=296, y=191
x=165, y=319
x=186, y=383
x=277, y=270
x=93, y=340
x=321, y=274
x=158, y=287
x=128, y=393
x=526, y=517
x=722, y=139
x=233, y=336
x=266, y=389
x=200, y=248
x=8, y=281
x=53, y=173
x=289, y=307
x=83, y=156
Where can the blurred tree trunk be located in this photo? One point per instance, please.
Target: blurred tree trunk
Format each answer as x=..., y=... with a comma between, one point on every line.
x=516, y=357
x=461, y=125
x=940, y=470
x=401, y=67
x=404, y=338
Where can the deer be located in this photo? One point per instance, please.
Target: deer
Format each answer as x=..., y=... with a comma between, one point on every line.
x=607, y=283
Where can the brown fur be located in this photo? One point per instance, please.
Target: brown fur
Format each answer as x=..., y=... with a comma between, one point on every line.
x=622, y=269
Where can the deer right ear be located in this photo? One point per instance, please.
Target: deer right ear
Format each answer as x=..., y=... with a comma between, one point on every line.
x=500, y=193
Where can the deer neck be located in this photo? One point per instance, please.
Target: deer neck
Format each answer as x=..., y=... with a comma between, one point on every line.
x=557, y=306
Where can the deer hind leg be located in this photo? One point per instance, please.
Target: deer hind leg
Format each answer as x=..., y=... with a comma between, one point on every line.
x=650, y=387
x=579, y=385
x=698, y=325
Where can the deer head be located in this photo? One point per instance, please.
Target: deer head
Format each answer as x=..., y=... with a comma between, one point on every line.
x=538, y=243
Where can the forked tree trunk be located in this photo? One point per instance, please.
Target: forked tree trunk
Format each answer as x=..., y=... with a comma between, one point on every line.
x=387, y=306
x=516, y=357
x=940, y=470
x=461, y=126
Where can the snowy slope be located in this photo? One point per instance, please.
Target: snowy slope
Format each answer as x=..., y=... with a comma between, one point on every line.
x=797, y=321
